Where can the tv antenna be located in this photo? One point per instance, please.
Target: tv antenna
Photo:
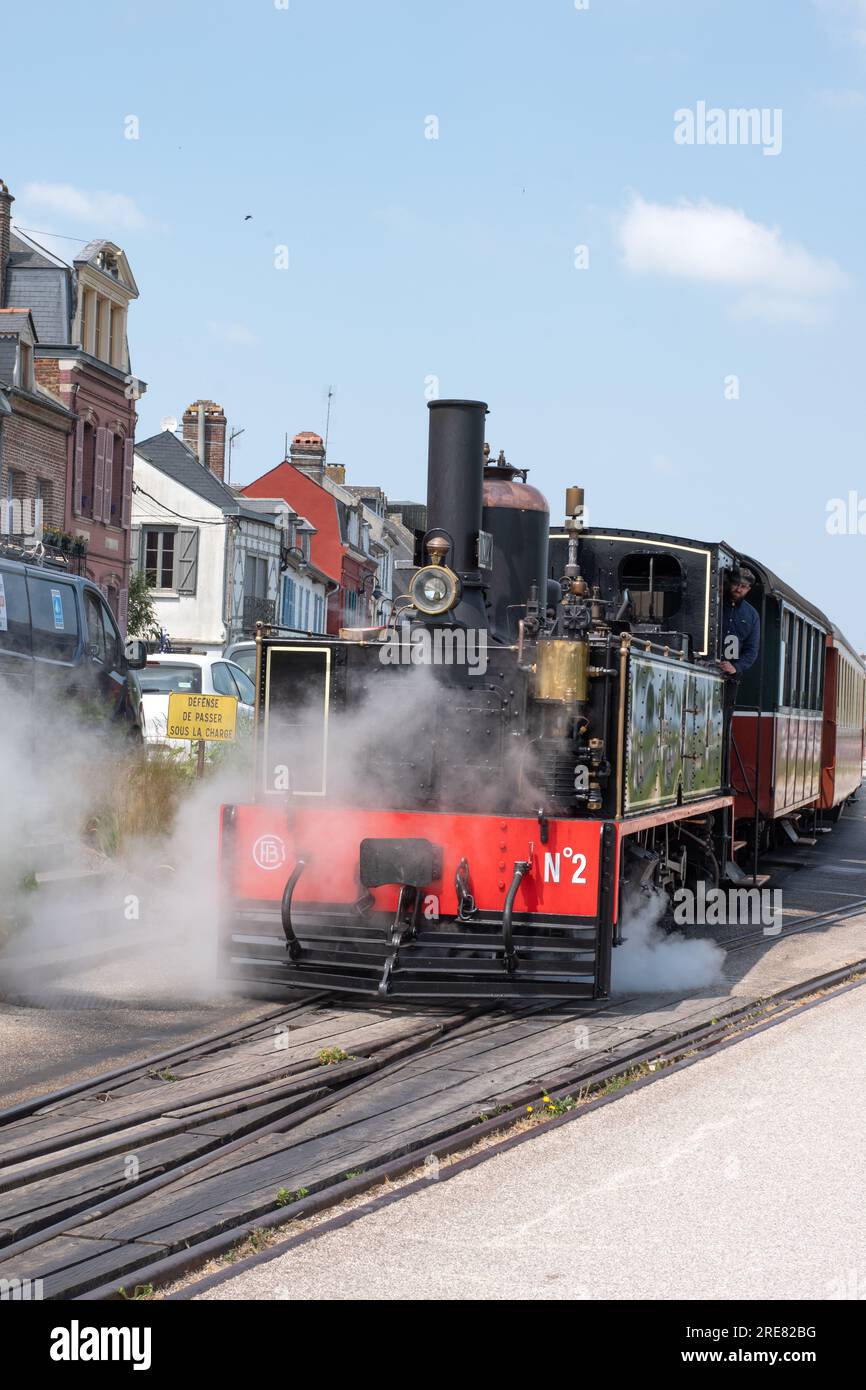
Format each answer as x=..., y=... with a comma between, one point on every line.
x=232, y=437
x=328, y=419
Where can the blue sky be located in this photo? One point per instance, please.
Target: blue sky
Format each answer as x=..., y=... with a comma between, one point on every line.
x=454, y=258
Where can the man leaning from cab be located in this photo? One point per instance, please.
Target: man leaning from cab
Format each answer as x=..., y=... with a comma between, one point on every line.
x=741, y=626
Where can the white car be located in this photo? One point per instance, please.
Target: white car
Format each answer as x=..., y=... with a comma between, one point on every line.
x=168, y=672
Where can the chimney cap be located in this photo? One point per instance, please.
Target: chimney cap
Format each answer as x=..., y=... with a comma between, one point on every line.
x=211, y=408
x=308, y=439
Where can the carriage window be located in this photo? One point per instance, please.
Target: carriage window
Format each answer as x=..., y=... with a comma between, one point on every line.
x=791, y=654
x=801, y=663
x=847, y=694
x=817, y=670
x=655, y=583
x=808, y=667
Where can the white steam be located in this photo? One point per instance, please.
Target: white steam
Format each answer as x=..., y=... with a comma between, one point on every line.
x=652, y=959
x=405, y=739
x=144, y=910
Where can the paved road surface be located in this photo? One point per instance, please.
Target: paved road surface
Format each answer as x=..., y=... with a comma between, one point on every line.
x=94, y=1018
x=740, y=1177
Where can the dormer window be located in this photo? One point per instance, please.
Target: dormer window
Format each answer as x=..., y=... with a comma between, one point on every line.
x=102, y=327
x=25, y=366
x=107, y=261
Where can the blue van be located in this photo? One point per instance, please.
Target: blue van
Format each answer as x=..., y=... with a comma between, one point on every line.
x=58, y=638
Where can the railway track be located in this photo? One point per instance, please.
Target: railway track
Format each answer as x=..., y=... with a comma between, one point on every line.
x=829, y=917
x=132, y=1177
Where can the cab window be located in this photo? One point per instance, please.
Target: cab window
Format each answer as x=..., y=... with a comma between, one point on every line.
x=246, y=689
x=222, y=680
x=97, y=645
x=14, y=614
x=113, y=644
x=54, y=613
x=165, y=678
x=655, y=583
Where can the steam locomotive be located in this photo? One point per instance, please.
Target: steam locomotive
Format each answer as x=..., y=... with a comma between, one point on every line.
x=458, y=805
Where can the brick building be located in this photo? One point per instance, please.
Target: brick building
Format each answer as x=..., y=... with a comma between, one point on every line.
x=74, y=346
x=362, y=550
x=35, y=426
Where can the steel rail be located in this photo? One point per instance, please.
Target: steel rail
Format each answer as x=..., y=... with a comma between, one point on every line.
x=698, y=1043
x=178, y=1054
x=387, y=1061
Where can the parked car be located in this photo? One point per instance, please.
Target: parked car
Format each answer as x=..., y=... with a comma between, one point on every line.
x=59, y=639
x=189, y=674
x=244, y=655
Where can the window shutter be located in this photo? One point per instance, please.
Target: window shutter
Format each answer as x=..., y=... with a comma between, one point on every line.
x=99, y=473
x=126, y=504
x=78, y=468
x=122, y=610
x=288, y=602
x=136, y=559
x=109, y=477
x=187, y=560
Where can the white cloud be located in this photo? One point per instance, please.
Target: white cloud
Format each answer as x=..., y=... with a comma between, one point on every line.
x=235, y=333
x=716, y=245
x=105, y=212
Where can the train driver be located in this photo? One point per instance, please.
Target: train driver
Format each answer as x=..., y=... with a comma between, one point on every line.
x=741, y=626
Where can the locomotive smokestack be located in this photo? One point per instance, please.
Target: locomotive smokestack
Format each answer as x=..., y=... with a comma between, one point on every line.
x=455, y=484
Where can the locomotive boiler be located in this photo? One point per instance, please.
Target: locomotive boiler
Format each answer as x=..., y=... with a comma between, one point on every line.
x=457, y=804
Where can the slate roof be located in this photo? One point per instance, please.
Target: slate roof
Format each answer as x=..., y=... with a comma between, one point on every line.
x=30, y=255
x=13, y=320
x=177, y=461
x=42, y=282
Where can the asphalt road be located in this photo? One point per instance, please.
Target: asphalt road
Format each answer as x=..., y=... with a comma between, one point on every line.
x=80, y=1021
x=740, y=1177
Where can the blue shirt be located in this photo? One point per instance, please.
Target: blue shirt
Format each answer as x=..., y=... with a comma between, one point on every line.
x=741, y=621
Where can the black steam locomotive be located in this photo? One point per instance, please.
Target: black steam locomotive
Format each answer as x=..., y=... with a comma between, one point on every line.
x=457, y=804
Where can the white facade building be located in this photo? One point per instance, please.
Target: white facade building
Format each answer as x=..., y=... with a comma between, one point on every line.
x=214, y=561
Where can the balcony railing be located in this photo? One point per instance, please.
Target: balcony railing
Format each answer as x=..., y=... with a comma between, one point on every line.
x=68, y=555
x=258, y=610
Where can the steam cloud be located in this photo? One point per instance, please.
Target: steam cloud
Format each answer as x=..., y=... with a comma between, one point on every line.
x=404, y=739
x=651, y=959
x=65, y=783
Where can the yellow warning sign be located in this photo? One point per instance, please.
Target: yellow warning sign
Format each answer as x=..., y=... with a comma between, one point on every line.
x=212, y=717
